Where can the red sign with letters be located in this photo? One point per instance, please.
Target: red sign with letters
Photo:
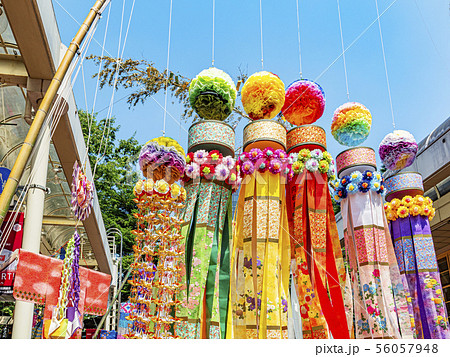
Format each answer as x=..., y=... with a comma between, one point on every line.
x=13, y=242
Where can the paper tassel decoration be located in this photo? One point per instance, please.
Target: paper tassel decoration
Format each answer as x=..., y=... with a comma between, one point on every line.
x=260, y=257
x=317, y=266
x=351, y=124
x=378, y=308
x=158, y=250
x=212, y=94
x=304, y=102
x=82, y=193
x=210, y=178
x=409, y=217
x=263, y=95
x=398, y=150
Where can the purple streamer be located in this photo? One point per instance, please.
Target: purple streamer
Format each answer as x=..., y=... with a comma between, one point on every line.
x=155, y=154
x=74, y=293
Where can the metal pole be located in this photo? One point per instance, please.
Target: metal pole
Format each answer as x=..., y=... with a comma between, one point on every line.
x=23, y=311
x=25, y=152
x=102, y=321
x=119, y=280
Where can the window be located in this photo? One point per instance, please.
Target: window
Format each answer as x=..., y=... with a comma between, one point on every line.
x=443, y=264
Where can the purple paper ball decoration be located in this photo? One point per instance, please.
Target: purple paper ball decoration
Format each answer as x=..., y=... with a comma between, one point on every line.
x=398, y=150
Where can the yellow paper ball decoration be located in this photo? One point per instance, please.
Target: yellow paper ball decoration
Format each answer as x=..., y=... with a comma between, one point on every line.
x=263, y=95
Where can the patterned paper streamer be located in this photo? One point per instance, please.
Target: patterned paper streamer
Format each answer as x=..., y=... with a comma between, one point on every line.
x=378, y=307
x=82, y=193
x=351, y=124
x=212, y=94
x=304, y=102
x=398, y=150
x=263, y=95
x=74, y=294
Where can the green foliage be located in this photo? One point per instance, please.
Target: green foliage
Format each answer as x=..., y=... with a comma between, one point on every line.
x=146, y=80
x=113, y=163
x=7, y=308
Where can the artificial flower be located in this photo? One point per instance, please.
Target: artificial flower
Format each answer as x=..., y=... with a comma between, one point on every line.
x=215, y=156
x=407, y=201
x=402, y=212
x=419, y=200
x=247, y=167
x=304, y=154
x=414, y=210
x=341, y=192
x=352, y=187
x=281, y=154
x=268, y=152
x=298, y=167
x=356, y=177
x=263, y=165
x=377, y=175
x=316, y=154
x=200, y=157
x=162, y=187
x=149, y=185
x=345, y=180
x=175, y=190
x=189, y=157
x=193, y=170
x=327, y=156
x=222, y=172
x=364, y=185
x=395, y=203
x=255, y=154
x=387, y=206
x=375, y=185
x=312, y=165
x=368, y=175
x=138, y=188
x=229, y=162
x=275, y=166
x=323, y=166
x=207, y=171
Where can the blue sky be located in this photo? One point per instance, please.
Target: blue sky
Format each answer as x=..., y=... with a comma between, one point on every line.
x=416, y=45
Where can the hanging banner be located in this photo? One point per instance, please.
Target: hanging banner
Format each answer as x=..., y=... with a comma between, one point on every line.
x=4, y=174
x=13, y=242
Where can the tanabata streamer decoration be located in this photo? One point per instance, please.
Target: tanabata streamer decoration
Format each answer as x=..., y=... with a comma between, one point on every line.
x=351, y=124
x=263, y=95
x=212, y=94
x=158, y=250
x=210, y=179
x=304, y=102
x=44, y=288
x=317, y=263
x=260, y=259
x=409, y=219
x=398, y=150
x=66, y=319
x=82, y=193
x=378, y=308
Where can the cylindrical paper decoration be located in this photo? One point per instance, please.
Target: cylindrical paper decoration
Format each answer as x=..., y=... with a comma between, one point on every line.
x=304, y=103
x=318, y=266
x=260, y=257
x=211, y=135
x=351, y=124
x=263, y=95
x=308, y=136
x=378, y=308
x=409, y=221
x=361, y=157
x=403, y=184
x=158, y=249
x=210, y=180
x=264, y=133
x=398, y=150
x=212, y=94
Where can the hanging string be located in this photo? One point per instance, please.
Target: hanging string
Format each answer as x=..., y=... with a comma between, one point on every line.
x=213, y=30
x=299, y=47
x=343, y=51
x=167, y=70
x=385, y=66
x=261, y=25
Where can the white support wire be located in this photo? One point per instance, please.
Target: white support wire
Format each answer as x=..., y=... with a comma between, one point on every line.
x=261, y=30
x=343, y=51
x=385, y=66
x=213, y=28
x=167, y=70
x=299, y=47
x=348, y=47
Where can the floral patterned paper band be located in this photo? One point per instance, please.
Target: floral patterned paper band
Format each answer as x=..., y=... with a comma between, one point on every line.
x=265, y=131
x=356, y=157
x=403, y=183
x=306, y=134
x=208, y=134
